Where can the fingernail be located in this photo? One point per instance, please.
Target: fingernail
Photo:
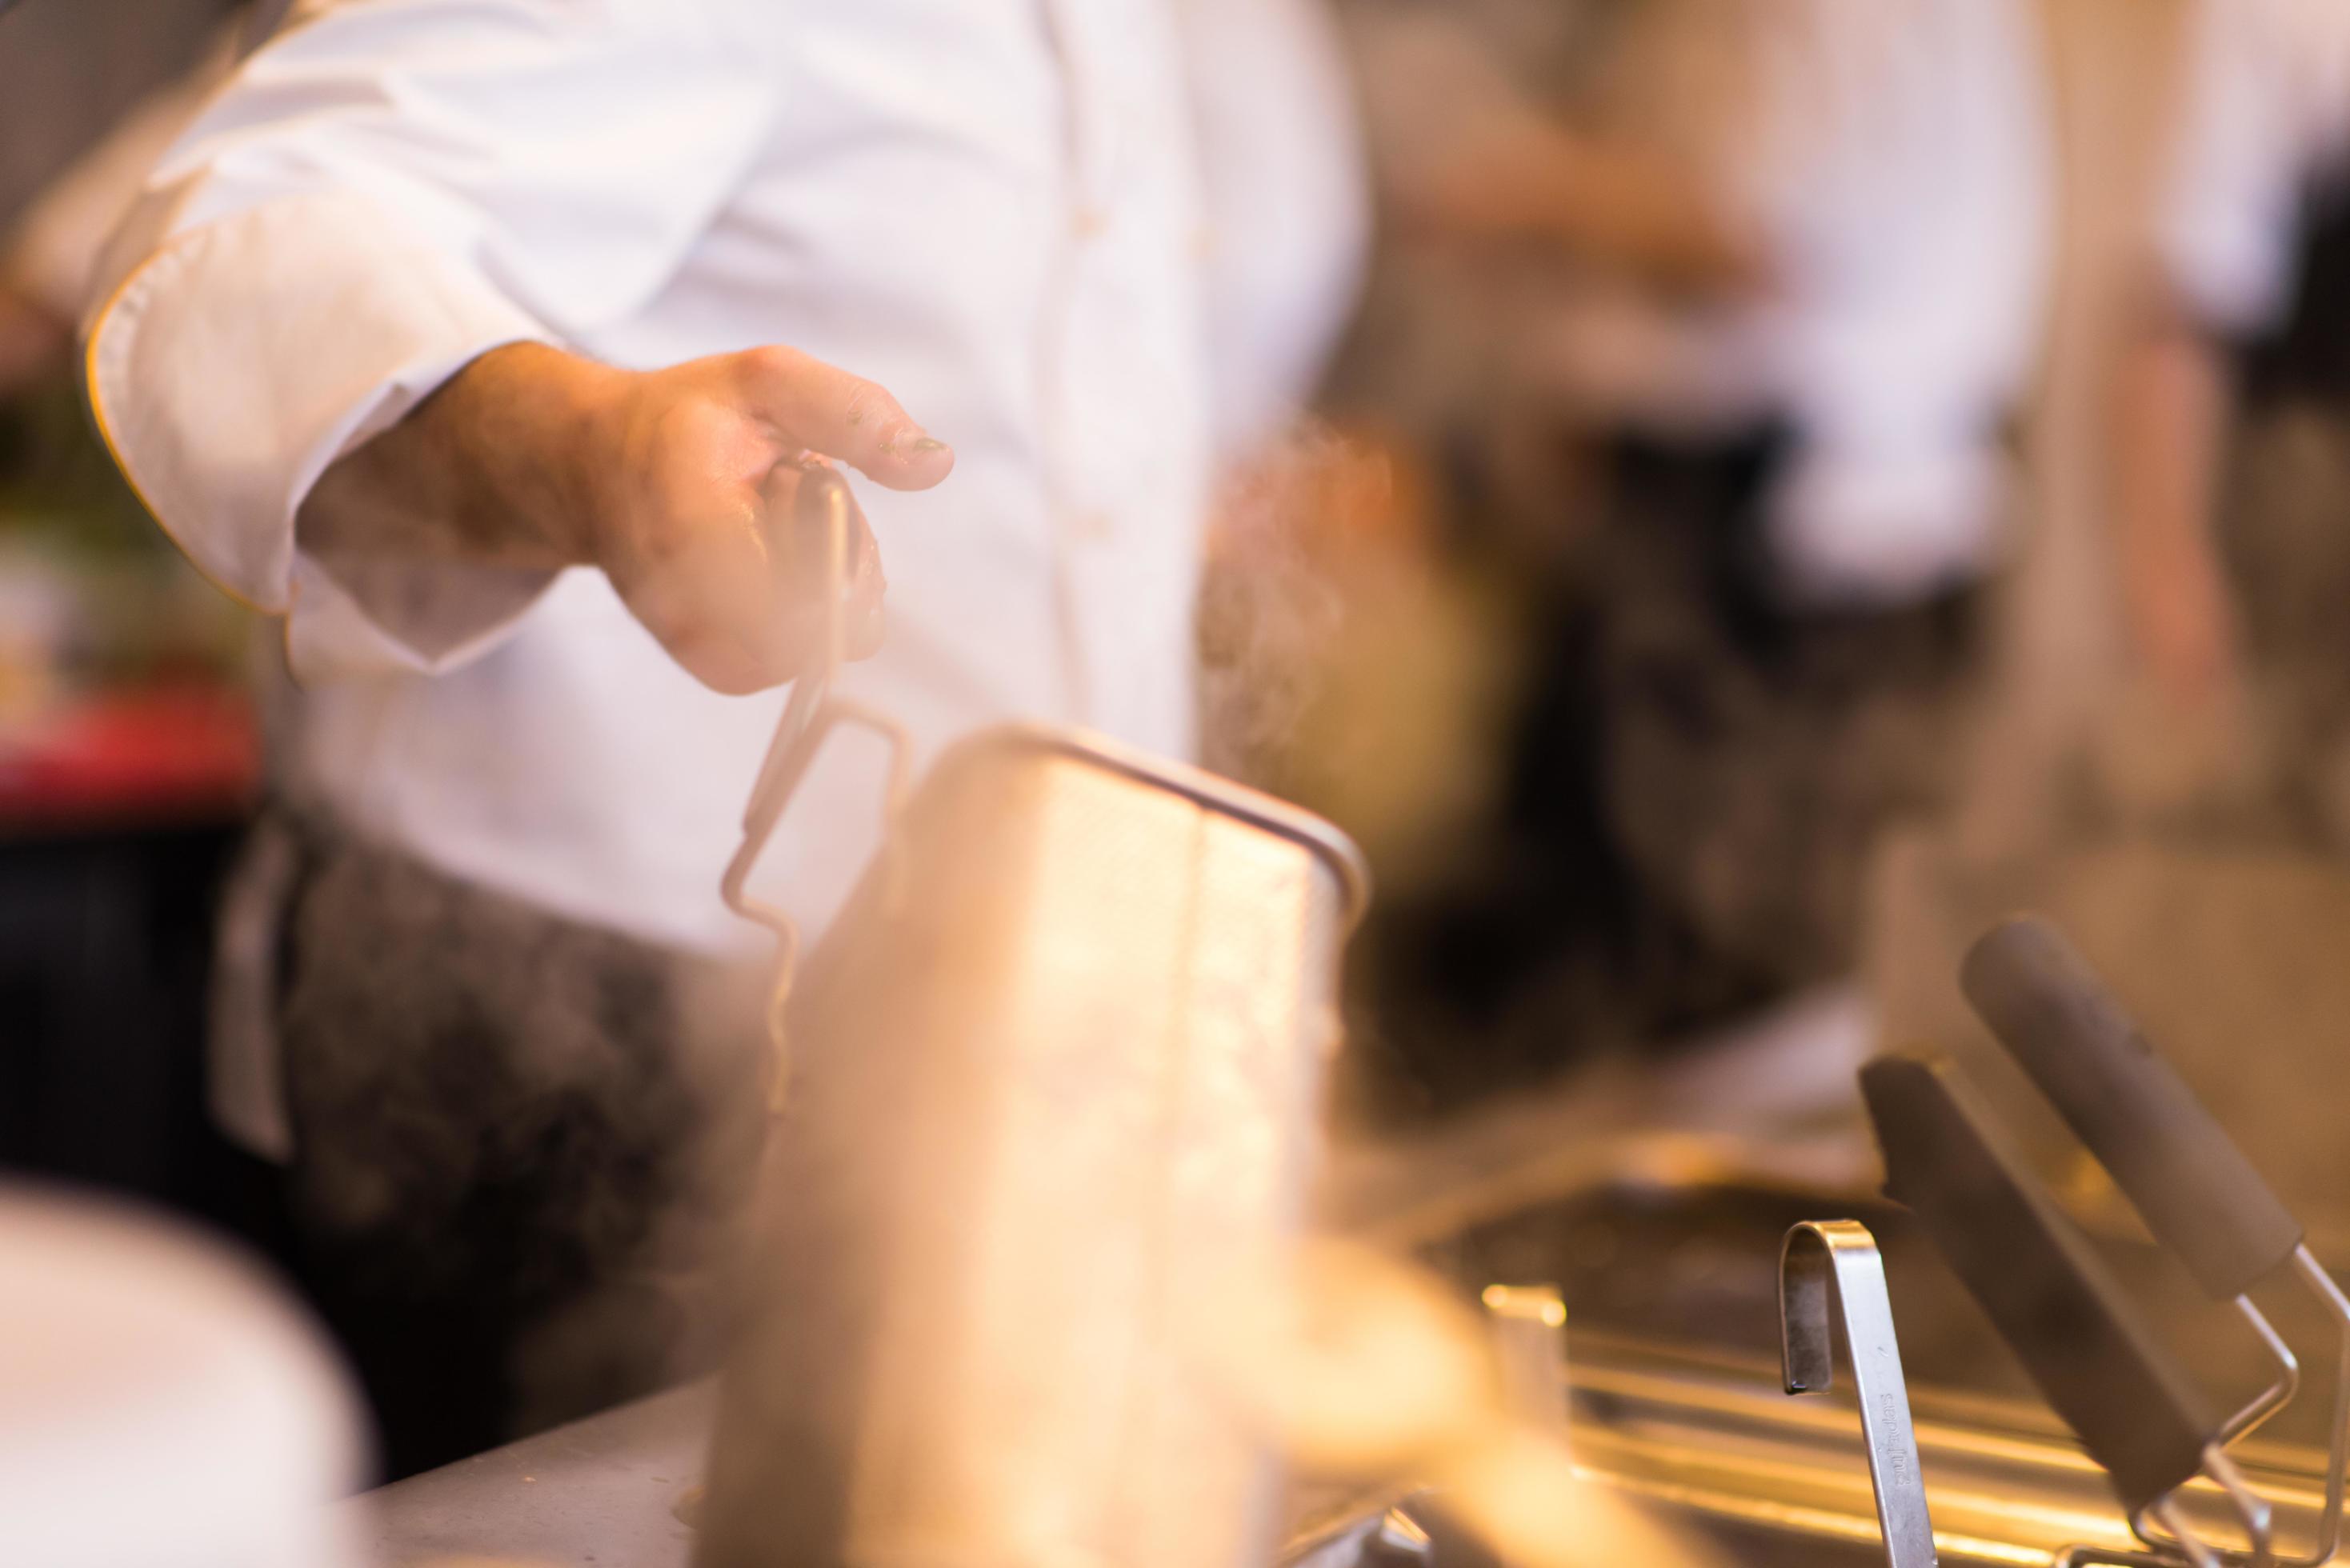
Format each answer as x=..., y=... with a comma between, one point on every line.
x=930, y=443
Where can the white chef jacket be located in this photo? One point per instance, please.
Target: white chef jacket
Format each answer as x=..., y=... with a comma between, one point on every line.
x=2265, y=114
x=1080, y=239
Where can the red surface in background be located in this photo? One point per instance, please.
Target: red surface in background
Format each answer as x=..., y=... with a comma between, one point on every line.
x=127, y=758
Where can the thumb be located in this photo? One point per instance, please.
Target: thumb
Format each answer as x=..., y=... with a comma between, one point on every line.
x=826, y=410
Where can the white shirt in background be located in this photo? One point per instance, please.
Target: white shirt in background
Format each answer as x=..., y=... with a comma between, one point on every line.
x=1079, y=239
x=2264, y=115
x=1892, y=158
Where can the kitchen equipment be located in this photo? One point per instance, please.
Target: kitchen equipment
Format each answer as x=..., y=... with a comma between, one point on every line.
x=2230, y=959
x=2193, y=1186
x=1676, y=1386
x=2099, y=1365
x=1528, y=1328
x=1056, y=1084
x=1829, y=1270
x=824, y=527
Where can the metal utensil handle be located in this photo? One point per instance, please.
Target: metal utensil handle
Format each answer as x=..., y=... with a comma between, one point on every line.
x=2050, y=1296
x=1831, y=1268
x=1527, y=1324
x=2183, y=1173
x=824, y=508
x=822, y=514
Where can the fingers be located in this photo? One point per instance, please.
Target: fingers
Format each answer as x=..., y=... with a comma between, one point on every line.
x=740, y=621
x=738, y=648
x=799, y=520
x=726, y=554
x=718, y=614
x=826, y=410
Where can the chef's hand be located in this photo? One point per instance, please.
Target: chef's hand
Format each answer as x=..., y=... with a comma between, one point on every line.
x=679, y=484
x=689, y=492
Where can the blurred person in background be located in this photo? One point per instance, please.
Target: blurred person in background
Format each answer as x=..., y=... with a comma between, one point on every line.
x=475, y=339
x=2229, y=474
x=128, y=753
x=1739, y=298
x=45, y=261
x=48, y=250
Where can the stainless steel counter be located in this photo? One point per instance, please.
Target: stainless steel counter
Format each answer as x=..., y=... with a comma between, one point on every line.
x=599, y=1493
x=1674, y=1391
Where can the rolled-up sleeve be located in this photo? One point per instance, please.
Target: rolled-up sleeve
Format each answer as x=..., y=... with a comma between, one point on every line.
x=377, y=197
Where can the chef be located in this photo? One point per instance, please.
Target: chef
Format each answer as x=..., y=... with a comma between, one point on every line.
x=1771, y=294
x=2231, y=418
x=474, y=340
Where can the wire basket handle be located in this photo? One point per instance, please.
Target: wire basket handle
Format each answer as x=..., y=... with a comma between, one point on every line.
x=825, y=513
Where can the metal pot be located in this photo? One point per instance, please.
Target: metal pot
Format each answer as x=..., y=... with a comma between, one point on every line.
x=1057, y=1070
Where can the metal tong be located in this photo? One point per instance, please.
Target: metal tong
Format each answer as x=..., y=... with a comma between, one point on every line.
x=2190, y=1183
x=1527, y=1327
x=2052, y=1298
x=1830, y=1269
x=822, y=525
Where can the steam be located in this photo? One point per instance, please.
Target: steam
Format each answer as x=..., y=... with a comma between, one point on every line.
x=1368, y=1369
x=1272, y=609
x=1349, y=663
x=491, y=1103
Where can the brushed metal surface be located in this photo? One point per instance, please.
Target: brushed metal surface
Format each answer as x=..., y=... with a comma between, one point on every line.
x=599, y=1493
x=1059, y=1073
x=1830, y=1269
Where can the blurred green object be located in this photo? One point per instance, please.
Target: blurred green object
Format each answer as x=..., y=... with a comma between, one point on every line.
x=55, y=475
x=92, y=592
